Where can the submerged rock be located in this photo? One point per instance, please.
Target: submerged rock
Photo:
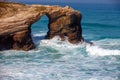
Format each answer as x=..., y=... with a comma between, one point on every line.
x=16, y=20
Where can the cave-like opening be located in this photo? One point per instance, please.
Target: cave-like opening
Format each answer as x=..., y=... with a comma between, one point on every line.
x=39, y=29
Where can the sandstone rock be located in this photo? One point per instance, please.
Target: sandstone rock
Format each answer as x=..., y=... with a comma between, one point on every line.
x=16, y=20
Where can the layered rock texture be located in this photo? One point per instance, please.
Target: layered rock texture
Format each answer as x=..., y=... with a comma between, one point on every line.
x=16, y=20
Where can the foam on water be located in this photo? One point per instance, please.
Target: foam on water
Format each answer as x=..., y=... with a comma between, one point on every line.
x=39, y=34
x=59, y=60
x=57, y=43
x=95, y=49
x=109, y=43
x=104, y=47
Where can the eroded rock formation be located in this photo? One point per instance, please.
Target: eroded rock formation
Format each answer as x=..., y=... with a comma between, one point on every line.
x=16, y=20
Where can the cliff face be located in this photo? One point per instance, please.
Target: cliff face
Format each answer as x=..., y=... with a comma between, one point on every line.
x=16, y=20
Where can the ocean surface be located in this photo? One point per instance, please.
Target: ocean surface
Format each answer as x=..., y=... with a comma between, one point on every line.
x=57, y=60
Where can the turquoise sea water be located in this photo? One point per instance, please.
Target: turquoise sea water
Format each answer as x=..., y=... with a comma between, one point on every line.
x=56, y=60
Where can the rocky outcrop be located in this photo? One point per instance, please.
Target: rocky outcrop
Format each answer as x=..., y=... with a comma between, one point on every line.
x=16, y=20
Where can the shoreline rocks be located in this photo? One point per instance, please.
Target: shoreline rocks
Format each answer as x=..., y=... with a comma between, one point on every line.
x=16, y=20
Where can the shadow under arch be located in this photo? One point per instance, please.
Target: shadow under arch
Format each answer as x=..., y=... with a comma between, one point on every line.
x=39, y=29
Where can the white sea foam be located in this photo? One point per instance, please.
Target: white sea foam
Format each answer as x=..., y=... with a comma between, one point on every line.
x=96, y=50
x=109, y=42
x=46, y=65
x=57, y=43
x=104, y=78
x=41, y=34
x=104, y=47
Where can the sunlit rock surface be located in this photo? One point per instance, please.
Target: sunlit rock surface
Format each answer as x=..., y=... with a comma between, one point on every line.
x=16, y=20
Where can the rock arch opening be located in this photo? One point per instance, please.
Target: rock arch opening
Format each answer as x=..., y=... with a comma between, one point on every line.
x=39, y=29
x=16, y=21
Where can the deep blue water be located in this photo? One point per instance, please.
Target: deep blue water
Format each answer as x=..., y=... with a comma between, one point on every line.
x=57, y=60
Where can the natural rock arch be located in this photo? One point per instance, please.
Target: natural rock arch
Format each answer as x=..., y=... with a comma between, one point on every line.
x=39, y=29
x=16, y=20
